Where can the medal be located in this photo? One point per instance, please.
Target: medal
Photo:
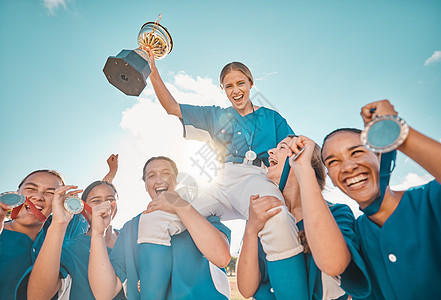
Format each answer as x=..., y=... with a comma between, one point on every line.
x=250, y=155
x=384, y=133
x=74, y=205
x=12, y=199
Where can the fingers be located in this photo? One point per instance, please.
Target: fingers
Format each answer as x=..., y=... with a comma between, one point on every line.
x=3, y=209
x=273, y=212
x=60, y=193
x=377, y=108
x=103, y=209
x=254, y=197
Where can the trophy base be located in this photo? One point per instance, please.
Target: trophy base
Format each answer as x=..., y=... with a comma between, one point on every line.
x=128, y=72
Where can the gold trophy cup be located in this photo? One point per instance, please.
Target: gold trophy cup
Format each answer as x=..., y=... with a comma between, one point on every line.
x=129, y=70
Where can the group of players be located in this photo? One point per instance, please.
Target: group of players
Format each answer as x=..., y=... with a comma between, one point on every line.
x=296, y=245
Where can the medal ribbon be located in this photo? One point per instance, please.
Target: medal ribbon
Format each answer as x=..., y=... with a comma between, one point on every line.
x=248, y=138
x=33, y=209
x=285, y=173
x=86, y=208
x=387, y=165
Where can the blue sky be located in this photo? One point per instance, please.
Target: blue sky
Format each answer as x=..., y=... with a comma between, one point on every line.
x=317, y=62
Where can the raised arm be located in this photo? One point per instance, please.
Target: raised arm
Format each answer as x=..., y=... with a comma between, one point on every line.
x=211, y=242
x=248, y=272
x=112, y=162
x=328, y=247
x=422, y=149
x=166, y=99
x=44, y=281
x=102, y=278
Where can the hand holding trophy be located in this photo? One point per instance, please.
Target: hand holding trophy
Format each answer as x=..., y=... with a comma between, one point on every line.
x=128, y=71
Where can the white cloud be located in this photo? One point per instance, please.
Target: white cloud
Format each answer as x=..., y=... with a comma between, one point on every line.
x=53, y=5
x=436, y=56
x=411, y=180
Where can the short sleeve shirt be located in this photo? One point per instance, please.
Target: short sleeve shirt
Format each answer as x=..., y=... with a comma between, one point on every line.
x=230, y=135
x=405, y=254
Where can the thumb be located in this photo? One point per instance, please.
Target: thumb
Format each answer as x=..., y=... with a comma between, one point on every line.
x=254, y=197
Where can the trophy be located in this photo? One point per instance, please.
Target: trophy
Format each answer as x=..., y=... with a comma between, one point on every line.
x=128, y=71
x=384, y=133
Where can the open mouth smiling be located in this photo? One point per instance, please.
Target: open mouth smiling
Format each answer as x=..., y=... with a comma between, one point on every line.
x=356, y=180
x=272, y=161
x=160, y=190
x=29, y=209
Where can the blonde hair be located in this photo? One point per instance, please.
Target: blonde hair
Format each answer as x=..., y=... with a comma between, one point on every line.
x=237, y=66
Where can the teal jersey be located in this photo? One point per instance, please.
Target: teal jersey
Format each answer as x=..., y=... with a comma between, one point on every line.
x=75, y=262
x=404, y=255
x=191, y=276
x=354, y=280
x=18, y=253
x=231, y=135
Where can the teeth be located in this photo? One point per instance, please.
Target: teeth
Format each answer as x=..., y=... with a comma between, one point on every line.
x=354, y=180
x=237, y=98
x=36, y=206
x=160, y=190
x=272, y=161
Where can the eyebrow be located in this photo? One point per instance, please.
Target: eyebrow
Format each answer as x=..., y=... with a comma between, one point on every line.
x=349, y=149
x=36, y=185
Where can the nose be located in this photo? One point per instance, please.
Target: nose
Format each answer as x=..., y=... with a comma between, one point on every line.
x=235, y=89
x=348, y=165
x=37, y=196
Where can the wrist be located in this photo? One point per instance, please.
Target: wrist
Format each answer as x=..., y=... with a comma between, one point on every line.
x=182, y=207
x=251, y=230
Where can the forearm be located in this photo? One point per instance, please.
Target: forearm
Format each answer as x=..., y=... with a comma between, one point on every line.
x=110, y=176
x=423, y=150
x=166, y=99
x=248, y=273
x=44, y=281
x=102, y=278
x=210, y=241
x=328, y=247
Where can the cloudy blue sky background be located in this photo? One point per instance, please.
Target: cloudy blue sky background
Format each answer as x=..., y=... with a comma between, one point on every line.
x=317, y=62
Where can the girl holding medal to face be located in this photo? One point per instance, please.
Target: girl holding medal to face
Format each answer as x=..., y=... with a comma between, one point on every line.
x=240, y=135
x=22, y=236
x=61, y=268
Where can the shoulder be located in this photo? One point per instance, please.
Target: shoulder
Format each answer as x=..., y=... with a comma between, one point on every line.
x=430, y=187
x=130, y=225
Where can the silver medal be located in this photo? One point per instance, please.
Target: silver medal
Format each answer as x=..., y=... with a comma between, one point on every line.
x=250, y=155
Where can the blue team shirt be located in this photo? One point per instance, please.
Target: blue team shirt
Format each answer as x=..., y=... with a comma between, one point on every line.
x=225, y=130
x=354, y=280
x=191, y=278
x=75, y=262
x=18, y=253
x=404, y=255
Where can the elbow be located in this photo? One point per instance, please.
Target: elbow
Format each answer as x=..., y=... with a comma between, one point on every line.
x=245, y=291
x=335, y=269
x=223, y=260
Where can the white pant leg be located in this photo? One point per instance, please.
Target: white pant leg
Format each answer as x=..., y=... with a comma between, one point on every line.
x=157, y=227
x=279, y=236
